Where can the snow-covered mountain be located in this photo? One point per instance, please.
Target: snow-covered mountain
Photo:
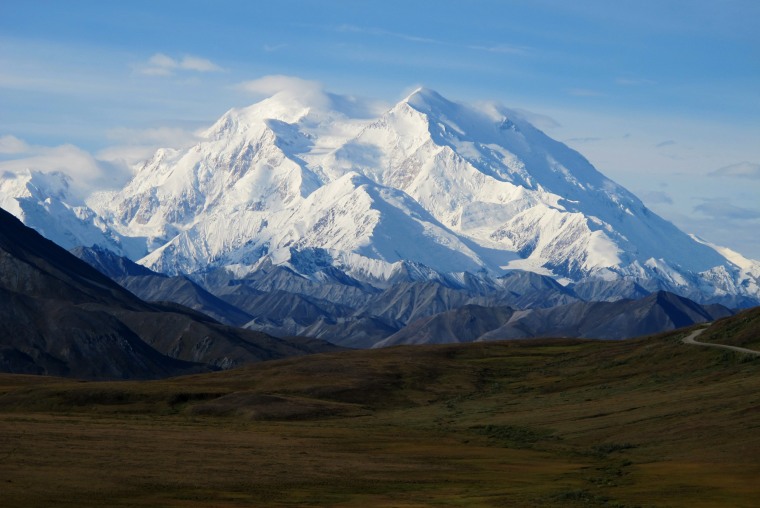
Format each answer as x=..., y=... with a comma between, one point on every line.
x=43, y=201
x=446, y=186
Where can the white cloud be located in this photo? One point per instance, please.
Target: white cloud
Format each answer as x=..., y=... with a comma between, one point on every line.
x=12, y=145
x=174, y=137
x=722, y=209
x=127, y=155
x=311, y=94
x=194, y=63
x=299, y=90
x=161, y=60
x=156, y=71
x=163, y=65
x=543, y=122
x=496, y=111
x=136, y=145
x=741, y=170
x=65, y=158
x=278, y=83
x=87, y=172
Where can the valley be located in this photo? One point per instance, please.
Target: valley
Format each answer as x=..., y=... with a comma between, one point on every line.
x=366, y=254
x=551, y=422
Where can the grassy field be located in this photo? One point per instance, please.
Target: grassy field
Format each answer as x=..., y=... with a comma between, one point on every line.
x=649, y=422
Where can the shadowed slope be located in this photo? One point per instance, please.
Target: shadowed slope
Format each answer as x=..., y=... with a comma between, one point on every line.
x=654, y=313
x=152, y=286
x=63, y=317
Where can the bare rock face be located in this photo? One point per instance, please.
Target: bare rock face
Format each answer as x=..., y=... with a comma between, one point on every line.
x=657, y=312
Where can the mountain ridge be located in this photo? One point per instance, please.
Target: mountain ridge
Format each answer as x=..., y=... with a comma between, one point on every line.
x=453, y=187
x=60, y=316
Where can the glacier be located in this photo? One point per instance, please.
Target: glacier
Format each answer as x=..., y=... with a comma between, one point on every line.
x=437, y=185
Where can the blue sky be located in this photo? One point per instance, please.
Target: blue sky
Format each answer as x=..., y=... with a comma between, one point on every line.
x=662, y=96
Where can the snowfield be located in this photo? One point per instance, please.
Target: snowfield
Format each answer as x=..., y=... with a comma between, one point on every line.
x=448, y=186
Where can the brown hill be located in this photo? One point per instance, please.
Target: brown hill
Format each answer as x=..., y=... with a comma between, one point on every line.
x=60, y=316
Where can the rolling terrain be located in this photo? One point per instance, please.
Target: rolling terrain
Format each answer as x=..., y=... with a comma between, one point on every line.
x=744, y=331
x=518, y=305
x=59, y=316
x=648, y=422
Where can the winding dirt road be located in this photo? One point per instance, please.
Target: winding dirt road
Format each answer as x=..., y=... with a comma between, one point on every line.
x=690, y=339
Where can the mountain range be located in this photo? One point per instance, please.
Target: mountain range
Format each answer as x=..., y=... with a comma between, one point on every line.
x=449, y=187
x=517, y=305
x=304, y=217
x=59, y=316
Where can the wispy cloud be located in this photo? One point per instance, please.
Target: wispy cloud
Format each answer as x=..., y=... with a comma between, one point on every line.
x=294, y=90
x=87, y=172
x=163, y=65
x=720, y=209
x=490, y=48
x=312, y=94
x=10, y=145
x=668, y=142
x=280, y=83
x=135, y=145
x=538, y=119
x=164, y=136
x=387, y=33
x=501, y=48
x=271, y=48
x=194, y=63
x=744, y=169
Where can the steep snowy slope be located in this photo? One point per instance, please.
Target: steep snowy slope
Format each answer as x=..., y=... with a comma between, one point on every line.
x=43, y=202
x=242, y=167
x=431, y=186
x=491, y=176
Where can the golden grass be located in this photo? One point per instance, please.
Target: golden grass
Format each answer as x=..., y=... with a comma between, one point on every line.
x=650, y=422
x=83, y=461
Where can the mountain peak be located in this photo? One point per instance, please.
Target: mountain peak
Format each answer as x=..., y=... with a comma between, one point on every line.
x=427, y=100
x=422, y=91
x=453, y=186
